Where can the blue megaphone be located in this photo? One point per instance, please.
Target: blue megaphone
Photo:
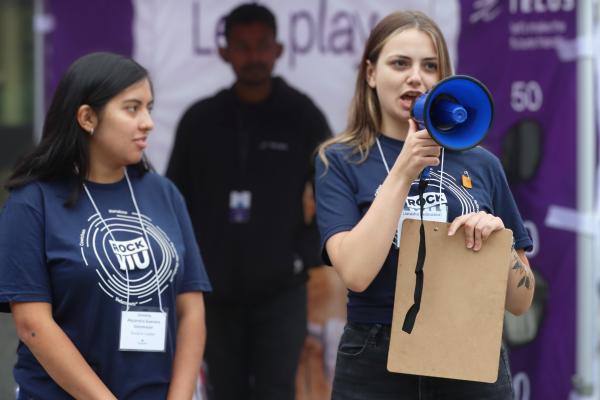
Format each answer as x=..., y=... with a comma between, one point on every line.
x=457, y=112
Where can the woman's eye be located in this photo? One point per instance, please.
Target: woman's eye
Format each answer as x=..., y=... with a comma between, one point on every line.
x=400, y=63
x=431, y=67
x=132, y=109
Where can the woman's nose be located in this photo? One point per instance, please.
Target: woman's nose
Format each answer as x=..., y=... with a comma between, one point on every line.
x=415, y=77
x=147, y=122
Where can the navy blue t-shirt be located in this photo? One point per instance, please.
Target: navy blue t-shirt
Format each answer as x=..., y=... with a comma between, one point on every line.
x=66, y=257
x=346, y=188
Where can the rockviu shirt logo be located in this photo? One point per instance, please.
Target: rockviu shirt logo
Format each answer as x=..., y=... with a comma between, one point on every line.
x=123, y=262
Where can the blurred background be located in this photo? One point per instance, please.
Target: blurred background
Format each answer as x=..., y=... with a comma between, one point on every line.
x=16, y=132
x=537, y=57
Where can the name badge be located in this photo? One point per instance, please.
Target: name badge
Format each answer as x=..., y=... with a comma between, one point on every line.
x=143, y=330
x=240, y=202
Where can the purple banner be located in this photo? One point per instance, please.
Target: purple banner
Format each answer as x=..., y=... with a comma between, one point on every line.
x=512, y=46
x=81, y=27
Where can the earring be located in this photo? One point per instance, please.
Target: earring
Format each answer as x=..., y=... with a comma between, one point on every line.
x=92, y=132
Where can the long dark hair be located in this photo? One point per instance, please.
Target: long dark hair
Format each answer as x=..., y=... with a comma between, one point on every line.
x=63, y=153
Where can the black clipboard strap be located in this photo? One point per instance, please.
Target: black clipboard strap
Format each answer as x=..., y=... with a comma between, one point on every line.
x=411, y=314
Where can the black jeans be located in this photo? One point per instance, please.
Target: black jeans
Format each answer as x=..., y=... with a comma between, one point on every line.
x=361, y=373
x=253, y=350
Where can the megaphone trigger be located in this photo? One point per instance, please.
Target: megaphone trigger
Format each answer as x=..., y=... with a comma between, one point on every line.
x=457, y=112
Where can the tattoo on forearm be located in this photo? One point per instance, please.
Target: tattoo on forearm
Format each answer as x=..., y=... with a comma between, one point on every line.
x=526, y=279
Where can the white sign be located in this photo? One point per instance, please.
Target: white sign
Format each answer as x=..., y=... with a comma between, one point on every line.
x=177, y=42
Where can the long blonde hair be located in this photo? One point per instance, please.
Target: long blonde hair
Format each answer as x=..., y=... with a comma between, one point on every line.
x=364, y=119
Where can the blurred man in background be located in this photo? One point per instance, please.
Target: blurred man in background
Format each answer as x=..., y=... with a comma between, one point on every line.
x=242, y=159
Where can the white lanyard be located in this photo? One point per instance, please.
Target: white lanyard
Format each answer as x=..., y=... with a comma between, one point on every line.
x=137, y=210
x=387, y=168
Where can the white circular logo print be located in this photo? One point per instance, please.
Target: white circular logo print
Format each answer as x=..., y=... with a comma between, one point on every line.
x=123, y=259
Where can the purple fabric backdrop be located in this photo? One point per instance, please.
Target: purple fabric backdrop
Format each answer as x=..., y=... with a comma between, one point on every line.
x=82, y=27
x=514, y=41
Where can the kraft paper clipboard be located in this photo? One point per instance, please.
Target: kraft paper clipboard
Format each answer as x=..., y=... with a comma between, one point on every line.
x=458, y=330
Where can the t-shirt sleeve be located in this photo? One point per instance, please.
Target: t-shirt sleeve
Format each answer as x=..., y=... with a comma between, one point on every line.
x=24, y=273
x=337, y=210
x=194, y=273
x=506, y=208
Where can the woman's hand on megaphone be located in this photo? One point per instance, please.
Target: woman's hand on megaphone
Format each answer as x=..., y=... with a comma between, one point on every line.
x=419, y=151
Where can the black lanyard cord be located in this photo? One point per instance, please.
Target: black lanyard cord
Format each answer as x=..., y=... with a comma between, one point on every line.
x=411, y=314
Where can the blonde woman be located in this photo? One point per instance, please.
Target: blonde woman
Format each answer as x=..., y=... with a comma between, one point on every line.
x=366, y=181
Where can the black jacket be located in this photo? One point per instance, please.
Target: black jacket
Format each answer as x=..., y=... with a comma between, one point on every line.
x=267, y=149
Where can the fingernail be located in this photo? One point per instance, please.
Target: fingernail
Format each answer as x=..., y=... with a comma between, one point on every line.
x=469, y=245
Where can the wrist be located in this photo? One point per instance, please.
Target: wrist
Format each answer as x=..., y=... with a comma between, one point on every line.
x=400, y=179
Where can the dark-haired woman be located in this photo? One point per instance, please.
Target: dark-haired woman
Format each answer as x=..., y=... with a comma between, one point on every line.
x=99, y=264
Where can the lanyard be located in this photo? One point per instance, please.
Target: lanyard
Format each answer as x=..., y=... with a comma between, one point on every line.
x=387, y=168
x=242, y=135
x=411, y=314
x=137, y=210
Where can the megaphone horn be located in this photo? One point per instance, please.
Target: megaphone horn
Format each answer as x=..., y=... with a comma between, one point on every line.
x=457, y=112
